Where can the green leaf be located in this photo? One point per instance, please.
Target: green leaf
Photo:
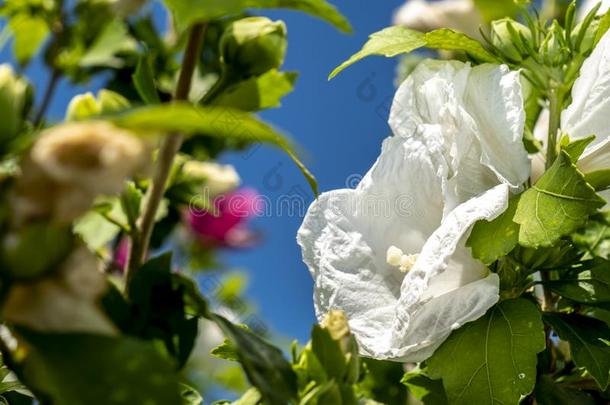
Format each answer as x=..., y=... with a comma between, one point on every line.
x=590, y=287
x=188, y=12
x=397, y=40
x=328, y=352
x=604, y=25
x=599, y=179
x=113, y=39
x=576, y=148
x=491, y=240
x=557, y=205
x=382, y=381
x=493, y=359
x=588, y=338
x=226, y=351
x=217, y=122
x=95, y=230
x=388, y=42
x=144, y=81
x=158, y=309
x=83, y=369
x=447, y=39
x=265, y=365
x=131, y=203
x=548, y=392
x=190, y=396
x=30, y=32
x=594, y=237
x=427, y=390
x=259, y=92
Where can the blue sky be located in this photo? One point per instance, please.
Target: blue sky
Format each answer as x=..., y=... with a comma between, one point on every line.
x=339, y=125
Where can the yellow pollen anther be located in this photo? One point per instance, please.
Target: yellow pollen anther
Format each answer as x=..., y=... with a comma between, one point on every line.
x=393, y=256
x=396, y=257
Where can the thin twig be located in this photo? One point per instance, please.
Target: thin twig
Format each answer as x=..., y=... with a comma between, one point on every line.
x=48, y=96
x=167, y=152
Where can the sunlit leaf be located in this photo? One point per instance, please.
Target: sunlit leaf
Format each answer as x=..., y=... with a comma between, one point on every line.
x=493, y=359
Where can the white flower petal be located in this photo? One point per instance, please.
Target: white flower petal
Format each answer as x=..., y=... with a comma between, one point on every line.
x=447, y=287
x=494, y=100
x=472, y=117
x=596, y=157
x=588, y=114
x=588, y=5
x=346, y=234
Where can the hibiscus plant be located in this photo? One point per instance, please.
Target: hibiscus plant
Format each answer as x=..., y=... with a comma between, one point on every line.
x=470, y=265
x=490, y=268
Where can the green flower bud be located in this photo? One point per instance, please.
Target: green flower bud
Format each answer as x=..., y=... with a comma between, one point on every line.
x=86, y=105
x=553, y=48
x=82, y=107
x=110, y=102
x=254, y=45
x=506, y=35
x=13, y=103
x=587, y=38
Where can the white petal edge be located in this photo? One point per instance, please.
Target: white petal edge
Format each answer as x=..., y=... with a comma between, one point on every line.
x=471, y=118
x=423, y=324
x=588, y=114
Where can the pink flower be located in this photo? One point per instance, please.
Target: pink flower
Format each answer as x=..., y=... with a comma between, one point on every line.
x=121, y=253
x=227, y=226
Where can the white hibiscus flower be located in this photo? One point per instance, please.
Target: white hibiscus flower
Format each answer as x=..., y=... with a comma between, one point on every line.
x=391, y=253
x=589, y=111
x=588, y=114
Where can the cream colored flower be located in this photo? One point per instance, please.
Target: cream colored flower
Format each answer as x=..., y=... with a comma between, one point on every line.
x=67, y=301
x=95, y=156
x=219, y=179
x=71, y=164
x=423, y=15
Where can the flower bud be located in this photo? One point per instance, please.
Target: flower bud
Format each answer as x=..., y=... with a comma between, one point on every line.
x=505, y=33
x=254, y=45
x=335, y=322
x=588, y=39
x=85, y=106
x=81, y=107
x=218, y=179
x=553, y=51
x=70, y=165
x=13, y=102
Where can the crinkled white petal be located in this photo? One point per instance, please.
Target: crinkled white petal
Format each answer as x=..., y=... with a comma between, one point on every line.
x=472, y=118
x=346, y=234
x=588, y=114
x=447, y=287
x=494, y=99
x=345, y=237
